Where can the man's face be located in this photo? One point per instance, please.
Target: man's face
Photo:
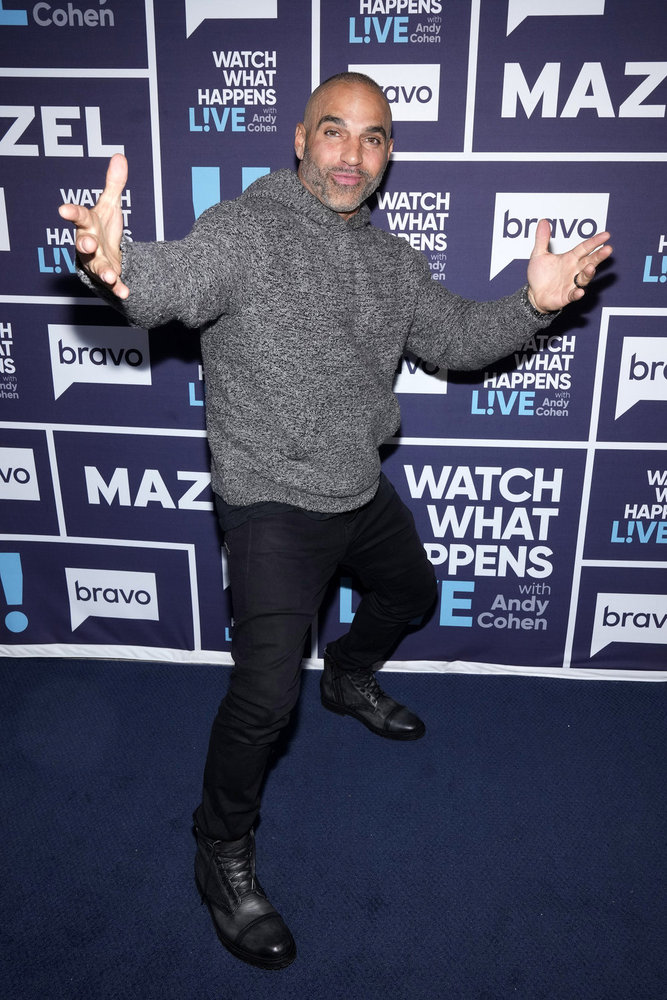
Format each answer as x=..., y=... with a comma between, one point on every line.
x=344, y=145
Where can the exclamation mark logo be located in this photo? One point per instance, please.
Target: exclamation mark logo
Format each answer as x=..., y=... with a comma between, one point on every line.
x=11, y=577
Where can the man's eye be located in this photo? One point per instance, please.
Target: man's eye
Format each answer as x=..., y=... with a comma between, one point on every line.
x=331, y=131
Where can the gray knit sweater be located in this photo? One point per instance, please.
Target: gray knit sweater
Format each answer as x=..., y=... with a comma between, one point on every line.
x=304, y=318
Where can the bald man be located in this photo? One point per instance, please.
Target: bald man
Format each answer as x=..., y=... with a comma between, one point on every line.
x=304, y=310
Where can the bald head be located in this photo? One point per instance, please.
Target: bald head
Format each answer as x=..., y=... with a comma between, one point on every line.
x=349, y=79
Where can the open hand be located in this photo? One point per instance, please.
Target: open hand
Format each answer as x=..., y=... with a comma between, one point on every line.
x=556, y=279
x=99, y=229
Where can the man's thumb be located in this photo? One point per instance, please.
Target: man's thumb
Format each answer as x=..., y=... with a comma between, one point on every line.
x=542, y=237
x=116, y=178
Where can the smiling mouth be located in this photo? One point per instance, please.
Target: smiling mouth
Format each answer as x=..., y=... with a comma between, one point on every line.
x=346, y=179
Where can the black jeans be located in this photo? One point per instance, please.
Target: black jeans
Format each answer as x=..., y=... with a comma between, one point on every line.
x=280, y=566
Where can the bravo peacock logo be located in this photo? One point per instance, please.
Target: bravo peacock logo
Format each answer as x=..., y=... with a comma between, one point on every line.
x=197, y=11
x=412, y=89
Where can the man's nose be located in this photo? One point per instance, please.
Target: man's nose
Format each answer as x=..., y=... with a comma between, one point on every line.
x=352, y=152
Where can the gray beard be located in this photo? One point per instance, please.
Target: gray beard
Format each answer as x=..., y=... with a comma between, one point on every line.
x=324, y=188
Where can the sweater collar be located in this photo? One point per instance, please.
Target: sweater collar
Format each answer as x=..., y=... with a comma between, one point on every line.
x=284, y=186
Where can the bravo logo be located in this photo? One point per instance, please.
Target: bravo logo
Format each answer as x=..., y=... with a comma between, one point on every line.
x=197, y=11
x=639, y=618
x=18, y=475
x=412, y=89
x=105, y=355
x=519, y=10
x=643, y=373
x=572, y=217
x=105, y=593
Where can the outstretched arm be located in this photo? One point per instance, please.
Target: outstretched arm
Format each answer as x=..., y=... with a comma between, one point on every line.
x=188, y=279
x=463, y=334
x=556, y=279
x=99, y=230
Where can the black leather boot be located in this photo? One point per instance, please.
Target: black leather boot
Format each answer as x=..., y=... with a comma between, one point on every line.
x=357, y=693
x=245, y=921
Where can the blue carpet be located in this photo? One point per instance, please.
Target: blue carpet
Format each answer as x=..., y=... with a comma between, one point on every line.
x=517, y=851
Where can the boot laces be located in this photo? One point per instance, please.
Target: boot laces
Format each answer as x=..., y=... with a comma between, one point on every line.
x=239, y=873
x=236, y=868
x=366, y=684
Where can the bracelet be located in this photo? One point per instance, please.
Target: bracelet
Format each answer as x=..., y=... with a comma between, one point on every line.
x=531, y=308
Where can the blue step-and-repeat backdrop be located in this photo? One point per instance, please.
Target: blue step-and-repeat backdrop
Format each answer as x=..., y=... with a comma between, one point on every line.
x=539, y=486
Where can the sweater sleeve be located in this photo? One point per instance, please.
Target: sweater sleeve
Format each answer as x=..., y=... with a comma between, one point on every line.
x=462, y=334
x=189, y=280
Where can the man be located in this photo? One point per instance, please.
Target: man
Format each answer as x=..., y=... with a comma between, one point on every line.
x=304, y=310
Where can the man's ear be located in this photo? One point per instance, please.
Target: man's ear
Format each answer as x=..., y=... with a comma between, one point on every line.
x=300, y=140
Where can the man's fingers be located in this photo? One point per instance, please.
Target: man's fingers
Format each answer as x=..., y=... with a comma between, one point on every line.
x=104, y=272
x=590, y=254
x=601, y=254
x=84, y=220
x=593, y=243
x=107, y=274
x=587, y=270
x=86, y=244
x=589, y=262
x=75, y=213
x=116, y=179
x=582, y=280
x=111, y=279
x=98, y=230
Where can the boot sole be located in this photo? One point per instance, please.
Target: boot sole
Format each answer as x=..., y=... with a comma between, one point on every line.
x=416, y=734
x=237, y=951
